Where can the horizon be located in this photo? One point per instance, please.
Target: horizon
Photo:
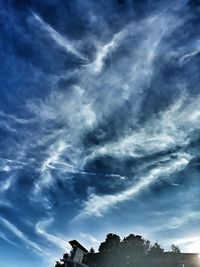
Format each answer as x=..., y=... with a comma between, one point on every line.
x=99, y=125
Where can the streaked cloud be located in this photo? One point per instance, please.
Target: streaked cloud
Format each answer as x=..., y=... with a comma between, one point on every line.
x=99, y=109
x=20, y=235
x=58, y=38
x=57, y=241
x=104, y=50
x=90, y=237
x=96, y=205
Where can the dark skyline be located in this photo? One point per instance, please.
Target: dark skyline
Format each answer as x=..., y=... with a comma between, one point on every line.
x=99, y=125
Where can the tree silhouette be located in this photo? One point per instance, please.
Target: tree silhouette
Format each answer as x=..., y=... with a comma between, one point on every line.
x=110, y=251
x=128, y=252
x=175, y=249
x=156, y=250
x=91, y=251
x=136, y=244
x=111, y=244
x=134, y=251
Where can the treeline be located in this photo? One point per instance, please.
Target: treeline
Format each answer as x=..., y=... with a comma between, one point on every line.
x=133, y=251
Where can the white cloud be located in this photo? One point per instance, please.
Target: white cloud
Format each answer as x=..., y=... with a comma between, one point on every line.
x=56, y=240
x=19, y=234
x=87, y=104
x=55, y=151
x=186, y=217
x=76, y=114
x=103, y=52
x=73, y=108
x=90, y=238
x=59, y=39
x=96, y=205
x=157, y=27
x=5, y=238
x=188, y=56
x=169, y=129
x=6, y=184
x=83, y=107
x=14, y=119
x=188, y=244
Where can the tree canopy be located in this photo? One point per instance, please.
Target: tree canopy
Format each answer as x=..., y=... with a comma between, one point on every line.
x=134, y=251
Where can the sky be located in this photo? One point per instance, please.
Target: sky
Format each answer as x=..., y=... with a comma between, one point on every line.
x=99, y=125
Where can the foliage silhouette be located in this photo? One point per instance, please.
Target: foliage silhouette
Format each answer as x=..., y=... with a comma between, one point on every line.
x=134, y=251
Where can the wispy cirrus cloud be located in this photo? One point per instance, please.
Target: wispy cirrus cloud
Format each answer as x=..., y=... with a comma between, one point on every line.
x=103, y=51
x=169, y=129
x=96, y=205
x=4, y=237
x=190, y=243
x=108, y=113
x=59, y=39
x=90, y=237
x=56, y=240
x=177, y=222
x=20, y=235
x=5, y=185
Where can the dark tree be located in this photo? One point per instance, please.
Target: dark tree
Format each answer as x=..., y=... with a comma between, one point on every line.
x=111, y=244
x=136, y=244
x=156, y=250
x=110, y=251
x=175, y=249
x=91, y=251
x=134, y=251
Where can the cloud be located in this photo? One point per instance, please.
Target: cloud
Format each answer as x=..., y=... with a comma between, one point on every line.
x=14, y=118
x=96, y=205
x=59, y=39
x=57, y=241
x=104, y=50
x=89, y=237
x=188, y=244
x=62, y=146
x=5, y=238
x=83, y=108
x=54, y=153
x=103, y=132
x=5, y=185
x=72, y=108
x=171, y=128
x=20, y=235
x=179, y=220
x=189, y=52
x=188, y=56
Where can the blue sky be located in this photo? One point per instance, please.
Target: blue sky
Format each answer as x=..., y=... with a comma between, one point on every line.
x=99, y=125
